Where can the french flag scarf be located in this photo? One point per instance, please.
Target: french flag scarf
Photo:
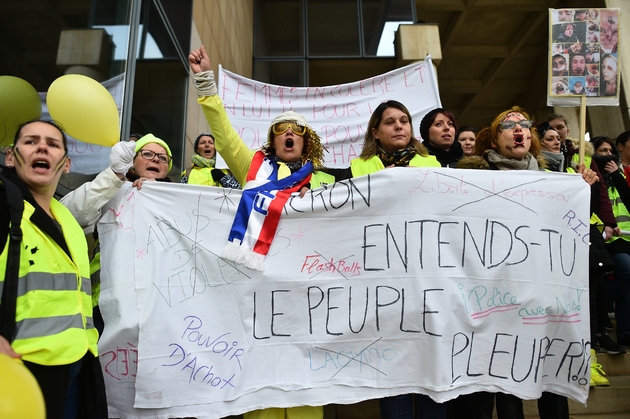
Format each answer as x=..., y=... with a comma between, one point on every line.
x=259, y=210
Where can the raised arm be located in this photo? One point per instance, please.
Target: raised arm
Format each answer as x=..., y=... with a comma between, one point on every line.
x=85, y=202
x=227, y=141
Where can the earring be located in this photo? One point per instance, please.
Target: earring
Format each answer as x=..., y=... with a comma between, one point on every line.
x=9, y=165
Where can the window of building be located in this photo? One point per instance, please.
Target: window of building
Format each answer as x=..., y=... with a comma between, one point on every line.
x=288, y=32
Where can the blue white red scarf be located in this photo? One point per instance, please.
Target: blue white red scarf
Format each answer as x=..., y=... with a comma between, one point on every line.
x=259, y=210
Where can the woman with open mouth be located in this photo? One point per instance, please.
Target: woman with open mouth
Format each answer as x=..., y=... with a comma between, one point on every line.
x=203, y=170
x=148, y=159
x=46, y=306
x=509, y=143
x=289, y=162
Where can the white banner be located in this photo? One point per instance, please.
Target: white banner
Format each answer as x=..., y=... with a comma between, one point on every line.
x=436, y=281
x=339, y=114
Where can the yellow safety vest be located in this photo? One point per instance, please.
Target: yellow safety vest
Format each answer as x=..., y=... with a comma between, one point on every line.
x=587, y=160
x=362, y=167
x=318, y=179
x=54, y=323
x=202, y=176
x=621, y=213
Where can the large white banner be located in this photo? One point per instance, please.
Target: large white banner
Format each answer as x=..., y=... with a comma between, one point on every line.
x=435, y=281
x=339, y=114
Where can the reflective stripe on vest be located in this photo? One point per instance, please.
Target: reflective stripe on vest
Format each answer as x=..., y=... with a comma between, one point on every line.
x=362, y=167
x=54, y=323
x=95, y=273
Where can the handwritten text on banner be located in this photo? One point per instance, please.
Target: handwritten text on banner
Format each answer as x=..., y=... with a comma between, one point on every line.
x=339, y=114
x=433, y=281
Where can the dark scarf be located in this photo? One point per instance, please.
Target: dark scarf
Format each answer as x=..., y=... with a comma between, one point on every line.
x=601, y=161
x=39, y=217
x=294, y=166
x=445, y=157
x=400, y=158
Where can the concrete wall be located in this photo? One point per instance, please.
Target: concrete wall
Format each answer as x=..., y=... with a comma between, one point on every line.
x=226, y=29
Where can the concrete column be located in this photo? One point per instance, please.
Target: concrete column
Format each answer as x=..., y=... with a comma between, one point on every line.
x=415, y=42
x=572, y=115
x=605, y=120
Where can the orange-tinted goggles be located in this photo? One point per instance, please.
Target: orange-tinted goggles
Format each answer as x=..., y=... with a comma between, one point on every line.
x=282, y=127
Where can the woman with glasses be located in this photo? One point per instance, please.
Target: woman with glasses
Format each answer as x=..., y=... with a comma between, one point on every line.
x=290, y=161
x=509, y=143
x=148, y=159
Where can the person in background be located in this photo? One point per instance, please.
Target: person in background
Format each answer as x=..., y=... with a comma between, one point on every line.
x=293, y=153
x=618, y=290
x=135, y=137
x=437, y=129
x=203, y=171
x=466, y=138
x=600, y=341
x=54, y=333
x=624, y=152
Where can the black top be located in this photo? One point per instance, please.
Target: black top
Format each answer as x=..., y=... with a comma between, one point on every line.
x=447, y=158
x=42, y=220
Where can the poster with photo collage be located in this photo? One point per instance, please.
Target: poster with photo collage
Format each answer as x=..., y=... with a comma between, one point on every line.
x=584, y=57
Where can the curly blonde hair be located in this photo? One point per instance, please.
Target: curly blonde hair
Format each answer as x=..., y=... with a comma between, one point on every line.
x=313, y=148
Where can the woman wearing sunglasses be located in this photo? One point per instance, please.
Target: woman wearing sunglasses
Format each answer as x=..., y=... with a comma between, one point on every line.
x=289, y=161
x=291, y=142
x=509, y=143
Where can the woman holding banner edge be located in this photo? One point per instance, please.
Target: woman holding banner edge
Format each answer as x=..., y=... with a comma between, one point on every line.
x=510, y=144
x=291, y=159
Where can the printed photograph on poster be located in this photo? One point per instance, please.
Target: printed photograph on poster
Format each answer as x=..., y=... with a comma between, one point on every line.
x=583, y=57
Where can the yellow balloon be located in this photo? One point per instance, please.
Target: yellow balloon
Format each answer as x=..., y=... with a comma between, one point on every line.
x=20, y=396
x=85, y=109
x=19, y=103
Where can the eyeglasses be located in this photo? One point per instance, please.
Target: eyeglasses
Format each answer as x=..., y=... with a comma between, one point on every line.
x=150, y=155
x=282, y=127
x=525, y=123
